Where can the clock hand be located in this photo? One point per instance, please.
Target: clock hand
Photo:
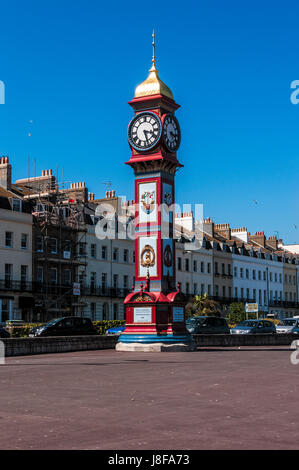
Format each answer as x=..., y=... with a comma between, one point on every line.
x=147, y=132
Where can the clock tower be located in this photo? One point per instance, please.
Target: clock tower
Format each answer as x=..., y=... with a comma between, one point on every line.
x=155, y=309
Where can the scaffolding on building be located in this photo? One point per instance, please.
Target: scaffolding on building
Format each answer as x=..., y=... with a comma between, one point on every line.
x=57, y=211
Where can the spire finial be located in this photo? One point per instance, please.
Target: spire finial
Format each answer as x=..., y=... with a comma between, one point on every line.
x=154, y=58
x=154, y=54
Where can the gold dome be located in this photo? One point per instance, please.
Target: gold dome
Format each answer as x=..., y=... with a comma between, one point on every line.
x=153, y=85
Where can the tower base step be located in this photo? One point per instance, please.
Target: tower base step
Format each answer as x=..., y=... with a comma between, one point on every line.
x=155, y=347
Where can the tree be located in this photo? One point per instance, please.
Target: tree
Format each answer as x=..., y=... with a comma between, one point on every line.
x=236, y=312
x=202, y=305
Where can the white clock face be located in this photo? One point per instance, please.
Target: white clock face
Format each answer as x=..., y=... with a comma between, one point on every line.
x=144, y=131
x=171, y=133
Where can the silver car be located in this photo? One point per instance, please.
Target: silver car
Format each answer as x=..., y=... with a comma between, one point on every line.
x=288, y=325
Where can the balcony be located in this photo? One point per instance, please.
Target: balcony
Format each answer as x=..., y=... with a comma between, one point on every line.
x=104, y=291
x=16, y=286
x=283, y=304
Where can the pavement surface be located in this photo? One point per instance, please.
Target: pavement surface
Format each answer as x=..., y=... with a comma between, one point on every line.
x=209, y=399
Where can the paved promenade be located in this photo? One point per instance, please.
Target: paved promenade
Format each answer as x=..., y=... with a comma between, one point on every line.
x=210, y=399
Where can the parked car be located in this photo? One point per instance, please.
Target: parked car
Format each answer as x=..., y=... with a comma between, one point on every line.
x=253, y=327
x=207, y=325
x=65, y=326
x=4, y=333
x=288, y=325
x=116, y=331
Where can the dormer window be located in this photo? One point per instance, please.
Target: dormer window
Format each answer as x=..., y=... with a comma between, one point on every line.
x=17, y=205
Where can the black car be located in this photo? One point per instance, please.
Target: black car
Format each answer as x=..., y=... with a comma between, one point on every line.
x=65, y=326
x=4, y=333
x=207, y=325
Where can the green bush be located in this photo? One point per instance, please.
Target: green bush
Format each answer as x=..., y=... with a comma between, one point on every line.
x=23, y=331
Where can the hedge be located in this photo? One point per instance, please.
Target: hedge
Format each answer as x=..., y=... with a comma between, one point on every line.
x=23, y=331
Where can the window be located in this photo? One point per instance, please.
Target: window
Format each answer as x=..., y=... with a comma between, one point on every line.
x=134, y=256
x=115, y=254
x=39, y=244
x=126, y=256
x=235, y=271
x=82, y=249
x=93, y=250
x=209, y=267
x=253, y=274
x=195, y=266
x=280, y=277
x=202, y=289
x=24, y=241
x=39, y=274
x=195, y=288
x=93, y=309
x=66, y=277
x=241, y=272
x=115, y=311
x=105, y=311
x=275, y=277
x=223, y=268
x=81, y=277
x=53, y=245
x=17, y=205
x=270, y=277
x=260, y=296
x=247, y=273
x=230, y=292
x=209, y=289
x=216, y=268
x=202, y=267
x=53, y=275
x=93, y=278
x=115, y=281
x=236, y=292
x=104, y=281
x=8, y=271
x=24, y=273
x=260, y=275
x=67, y=249
x=216, y=291
x=242, y=293
x=247, y=293
x=187, y=264
x=8, y=239
x=126, y=281
x=223, y=292
x=180, y=264
x=254, y=294
x=264, y=274
x=187, y=288
x=104, y=252
x=265, y=297
x=229, y=269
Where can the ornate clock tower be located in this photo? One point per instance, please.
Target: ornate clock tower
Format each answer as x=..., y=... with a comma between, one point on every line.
x=155, y=309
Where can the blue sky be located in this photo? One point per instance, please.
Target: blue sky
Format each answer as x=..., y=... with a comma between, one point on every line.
x=72, y=66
